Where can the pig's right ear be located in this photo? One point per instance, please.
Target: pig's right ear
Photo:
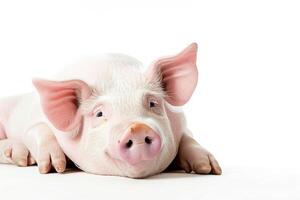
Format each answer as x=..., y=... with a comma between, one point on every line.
x=60, y=101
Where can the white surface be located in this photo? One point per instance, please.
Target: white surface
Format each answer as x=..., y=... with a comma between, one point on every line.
x=235, y=183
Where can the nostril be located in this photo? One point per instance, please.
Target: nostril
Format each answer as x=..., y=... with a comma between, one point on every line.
x=148, y=140
x=129, y=144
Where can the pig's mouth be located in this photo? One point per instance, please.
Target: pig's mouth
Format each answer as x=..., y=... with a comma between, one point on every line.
x=119, y=161
x=134, y=170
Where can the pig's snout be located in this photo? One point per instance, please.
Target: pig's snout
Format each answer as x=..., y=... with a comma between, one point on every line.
x=139, y=143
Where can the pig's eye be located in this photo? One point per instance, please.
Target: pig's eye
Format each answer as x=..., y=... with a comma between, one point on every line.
x=152, y=104
x=99, y=114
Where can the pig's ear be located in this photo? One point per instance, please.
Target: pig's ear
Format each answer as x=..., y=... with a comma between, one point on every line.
x=179, y=75
x=60, y=101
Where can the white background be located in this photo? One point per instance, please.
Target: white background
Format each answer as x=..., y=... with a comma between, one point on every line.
x=246, y=108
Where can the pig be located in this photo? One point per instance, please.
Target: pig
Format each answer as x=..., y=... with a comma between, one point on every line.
x=110, y=116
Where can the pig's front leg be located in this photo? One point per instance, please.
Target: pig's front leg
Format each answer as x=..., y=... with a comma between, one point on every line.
x=13, y=151
x=192, y=157
x=44, y=147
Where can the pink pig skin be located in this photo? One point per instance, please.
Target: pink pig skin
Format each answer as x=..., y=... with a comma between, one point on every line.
x=89, y=109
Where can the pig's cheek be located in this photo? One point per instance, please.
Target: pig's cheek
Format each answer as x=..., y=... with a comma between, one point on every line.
x=170, y=142
x=169, y=149
x=98, y=122
x=111, y=148
x=92, y=147
x=166, y=133
x=94, y=134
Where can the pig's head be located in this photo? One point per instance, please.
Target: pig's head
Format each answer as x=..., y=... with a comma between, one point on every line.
x=122, y=124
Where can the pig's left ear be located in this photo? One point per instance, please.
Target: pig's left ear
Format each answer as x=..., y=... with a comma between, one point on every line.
x=60, y=101
x=178, y=74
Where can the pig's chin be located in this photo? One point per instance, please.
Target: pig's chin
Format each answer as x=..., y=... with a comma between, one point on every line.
x=140, y=169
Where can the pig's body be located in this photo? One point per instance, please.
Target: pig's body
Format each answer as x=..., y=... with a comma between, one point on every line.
x=23, y=118
x=18, y=113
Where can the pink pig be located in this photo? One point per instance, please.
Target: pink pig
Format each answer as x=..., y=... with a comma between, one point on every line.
x=109, y=117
